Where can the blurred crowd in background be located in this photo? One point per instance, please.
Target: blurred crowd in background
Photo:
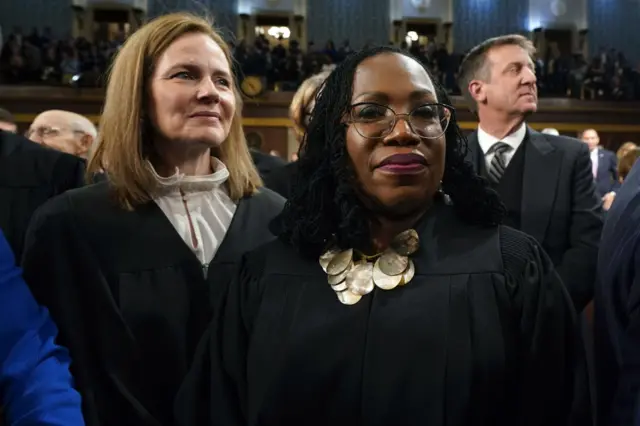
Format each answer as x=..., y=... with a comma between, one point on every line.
x=37, y=57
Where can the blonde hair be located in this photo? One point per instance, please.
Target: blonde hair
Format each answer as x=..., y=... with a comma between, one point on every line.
x=626, y=147
x=301, y=100
x=627, y=162
x=124, y=143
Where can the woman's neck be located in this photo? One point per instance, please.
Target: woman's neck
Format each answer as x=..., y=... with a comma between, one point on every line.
x=384, y=230
x=193, y=160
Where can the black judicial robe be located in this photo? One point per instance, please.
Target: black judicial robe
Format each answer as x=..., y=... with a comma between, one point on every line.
x=483, y=335
x=31, y=174
x=130, y=298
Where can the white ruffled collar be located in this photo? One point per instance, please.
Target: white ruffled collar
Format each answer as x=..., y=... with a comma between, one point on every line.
x=181, y=182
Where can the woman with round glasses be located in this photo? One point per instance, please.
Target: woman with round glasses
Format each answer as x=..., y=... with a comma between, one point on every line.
x=385, y=302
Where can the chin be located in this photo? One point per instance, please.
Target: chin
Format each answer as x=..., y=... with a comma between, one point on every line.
x=529, y=108
x=211, y=138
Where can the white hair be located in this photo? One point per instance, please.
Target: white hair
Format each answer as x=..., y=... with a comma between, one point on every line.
x=83, y=124
x=551, y=131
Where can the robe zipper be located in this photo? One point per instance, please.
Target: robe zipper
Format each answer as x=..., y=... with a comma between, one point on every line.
x=192, y=232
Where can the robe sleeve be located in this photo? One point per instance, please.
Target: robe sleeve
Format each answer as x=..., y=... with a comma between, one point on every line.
x=59, y=268
x=215, y=390
x=549, y=346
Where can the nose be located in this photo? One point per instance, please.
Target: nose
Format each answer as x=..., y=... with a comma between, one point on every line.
x=207, y=91
x=529, y=76
x=402, y=133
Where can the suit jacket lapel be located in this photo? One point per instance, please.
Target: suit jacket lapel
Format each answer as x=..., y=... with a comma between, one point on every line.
x=539, y=183
x=603, y=166
x=475, y=155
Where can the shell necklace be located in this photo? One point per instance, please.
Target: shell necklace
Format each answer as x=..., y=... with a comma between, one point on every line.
x=353, y=279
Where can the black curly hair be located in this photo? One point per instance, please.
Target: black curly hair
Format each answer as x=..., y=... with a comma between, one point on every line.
x=323, y=205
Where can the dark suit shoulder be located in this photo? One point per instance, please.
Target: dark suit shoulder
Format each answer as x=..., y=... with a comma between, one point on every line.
x=624, y=214
x=610, y=154
x=566, y=143
x=270, y=160
x=575, y=152
x=268, y=198
x=266, y=163
x=281, y=179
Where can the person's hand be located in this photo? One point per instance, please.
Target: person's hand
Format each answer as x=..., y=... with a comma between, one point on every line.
x=607, y=200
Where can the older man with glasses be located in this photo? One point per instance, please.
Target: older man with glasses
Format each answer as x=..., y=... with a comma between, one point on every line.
x=64, y=131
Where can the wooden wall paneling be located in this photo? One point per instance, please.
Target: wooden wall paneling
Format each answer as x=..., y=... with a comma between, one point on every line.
x=616, y=122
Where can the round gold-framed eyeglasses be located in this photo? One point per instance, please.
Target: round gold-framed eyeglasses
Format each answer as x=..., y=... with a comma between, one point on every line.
x=428, y=121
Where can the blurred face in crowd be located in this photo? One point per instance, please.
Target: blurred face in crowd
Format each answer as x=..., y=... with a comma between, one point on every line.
x=509, y=83
x=591, y=138
x=8, y=127
x=398, y=167
x=63, y=131
x=192, y=96
x=625, y=148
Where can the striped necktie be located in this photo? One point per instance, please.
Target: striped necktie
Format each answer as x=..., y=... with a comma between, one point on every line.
x=498, y=163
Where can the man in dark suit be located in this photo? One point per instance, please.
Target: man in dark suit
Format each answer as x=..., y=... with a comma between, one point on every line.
x=617, y=308
x=545, y=181
x=30, y=174
x=604, y=164
x=265, y=163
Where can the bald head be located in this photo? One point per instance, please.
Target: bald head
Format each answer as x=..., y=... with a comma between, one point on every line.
x=591, y=138
x=551, y=131
x=64, y=131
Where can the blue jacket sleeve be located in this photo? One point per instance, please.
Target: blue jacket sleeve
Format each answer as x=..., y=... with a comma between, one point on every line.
x=36, y=387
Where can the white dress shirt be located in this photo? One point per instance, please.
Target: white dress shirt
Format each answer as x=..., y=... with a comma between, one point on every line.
x=594, y=161
x=486, y=142
x=201, y=202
